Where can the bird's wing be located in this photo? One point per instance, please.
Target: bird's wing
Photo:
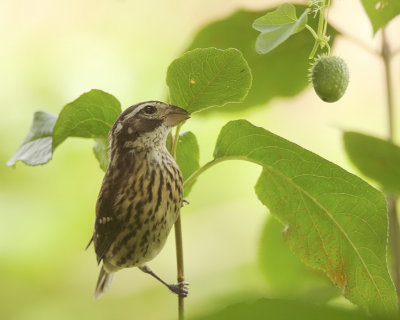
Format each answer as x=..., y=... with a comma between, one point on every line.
x=107, y=225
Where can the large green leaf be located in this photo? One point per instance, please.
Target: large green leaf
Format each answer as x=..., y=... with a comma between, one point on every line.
x=295, y=279
x=282, y=72
x=335, y=221
x=209, y=77
x=89, y=116
x=36, y=148
x=278, y=309
x=380, y=12
x=376, y=158
x=277, y=26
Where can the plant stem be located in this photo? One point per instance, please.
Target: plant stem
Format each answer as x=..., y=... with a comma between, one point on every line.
x=314, y=49
x=199, y=171
x=321, y=39
x=178, y=238
x=326, y=18
x=391, y=199
x=321, y=19
x=180, y=265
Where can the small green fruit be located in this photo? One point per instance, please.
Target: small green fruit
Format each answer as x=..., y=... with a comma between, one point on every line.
x=330, y=77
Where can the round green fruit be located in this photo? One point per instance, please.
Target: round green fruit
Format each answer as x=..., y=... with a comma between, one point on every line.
x=330, y=77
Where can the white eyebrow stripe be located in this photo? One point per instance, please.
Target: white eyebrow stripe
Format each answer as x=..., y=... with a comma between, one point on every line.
x=138, y=109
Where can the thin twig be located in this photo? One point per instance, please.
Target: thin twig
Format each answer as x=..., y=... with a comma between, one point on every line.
x=391, y=199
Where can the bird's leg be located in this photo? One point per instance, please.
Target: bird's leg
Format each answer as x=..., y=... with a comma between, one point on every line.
x=178, y=288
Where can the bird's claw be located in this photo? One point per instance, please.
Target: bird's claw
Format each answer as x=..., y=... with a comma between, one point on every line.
x=185, y=201
x=180, y=288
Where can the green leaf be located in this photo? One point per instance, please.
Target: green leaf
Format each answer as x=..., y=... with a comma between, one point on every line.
x=277, y=26
x=36, y=148
x=210, y=77
x=335, y=221
x=295, y=279
x=100, y=150
x=274, y=20
x=282, y=72
x=90, y=116
x=278, y=309
x=376, y=158
x=380, y=12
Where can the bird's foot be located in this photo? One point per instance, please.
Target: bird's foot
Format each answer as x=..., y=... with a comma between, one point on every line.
x=180, y=288
x=185, y=201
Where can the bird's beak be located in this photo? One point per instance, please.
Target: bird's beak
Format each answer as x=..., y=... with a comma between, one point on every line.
x=175, y=115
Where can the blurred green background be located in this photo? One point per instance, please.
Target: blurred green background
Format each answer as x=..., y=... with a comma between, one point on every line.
x=52, y=51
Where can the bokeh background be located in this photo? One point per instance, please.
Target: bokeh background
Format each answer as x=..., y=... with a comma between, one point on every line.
x=53, y=51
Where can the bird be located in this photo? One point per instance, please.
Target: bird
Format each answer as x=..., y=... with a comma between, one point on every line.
x=141, y=194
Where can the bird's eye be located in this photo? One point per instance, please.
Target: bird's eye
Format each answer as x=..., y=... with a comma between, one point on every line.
x=149, y=109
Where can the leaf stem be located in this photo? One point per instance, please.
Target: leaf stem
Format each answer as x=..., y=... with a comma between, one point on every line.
x=199, y=171
x=314, y=34
x=178, y=237
x=394, y=235
x=314, y=49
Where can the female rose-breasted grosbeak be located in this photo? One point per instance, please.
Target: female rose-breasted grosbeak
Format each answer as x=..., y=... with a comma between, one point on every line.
x=141, y=194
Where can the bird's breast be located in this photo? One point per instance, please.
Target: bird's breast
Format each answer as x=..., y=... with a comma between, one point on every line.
x=149, y=206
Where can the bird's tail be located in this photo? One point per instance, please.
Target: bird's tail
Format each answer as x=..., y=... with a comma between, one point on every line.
x=103, y=282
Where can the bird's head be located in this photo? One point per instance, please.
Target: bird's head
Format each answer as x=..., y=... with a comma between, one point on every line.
x=145, y=125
